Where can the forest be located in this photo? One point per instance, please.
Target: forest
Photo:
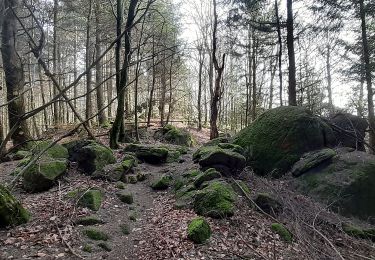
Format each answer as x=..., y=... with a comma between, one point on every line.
x=197, y=129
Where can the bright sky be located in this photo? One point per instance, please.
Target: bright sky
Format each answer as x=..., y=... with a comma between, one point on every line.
x=341, y=90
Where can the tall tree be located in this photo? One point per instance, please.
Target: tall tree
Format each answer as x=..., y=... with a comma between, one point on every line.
x=292, y=92
x=14, y=74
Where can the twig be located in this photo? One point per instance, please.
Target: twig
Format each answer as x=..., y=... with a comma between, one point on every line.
x=67, y=244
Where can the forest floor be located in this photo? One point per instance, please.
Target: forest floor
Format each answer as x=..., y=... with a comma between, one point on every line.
x=158, y=229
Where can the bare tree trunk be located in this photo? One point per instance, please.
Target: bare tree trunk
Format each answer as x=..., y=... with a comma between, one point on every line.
x=89, y=72
x=273, y=72
x=110, y=89
x=163, y=91
x=292, y=95
x=99, y=68
x=14, y=75
x=254, y=77
x=170, y=107
x=56, y=111
x=118, y=125
x=217, y=91
x=150, y=106
x=329, y=77
x=75, y=72
x=280, y=52
x=200, y=72
x=368, y=76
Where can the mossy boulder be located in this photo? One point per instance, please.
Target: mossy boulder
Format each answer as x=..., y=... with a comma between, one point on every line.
x=217, y=141
x=225, y=158
x=199, y=230
x=148, y=154
x=162, y=183
x=174, y=135
x=346, y=184
x=91, y=199
x=311, y=160
x=11, y=211
x=43, y=174
x=111, y=172
x=105, y=246
x=283, y=232
x=173, y=156
x=279, y=137
x=215, y=200
x=21, y=154
x=95, y=234
x=125, y=197
x=89, y=220
x=74, y=148
x=208, y=175
x=57, y=151
x=268, y=204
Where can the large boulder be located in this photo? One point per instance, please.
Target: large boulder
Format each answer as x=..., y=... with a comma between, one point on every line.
x=280, y=136
x=57, y=151
x=11, y=211
x=224, y=157
x=346, y=184
x=43, y=174
x=350, y=130
x=148, y=154
x=91, y=156
x=174, y=135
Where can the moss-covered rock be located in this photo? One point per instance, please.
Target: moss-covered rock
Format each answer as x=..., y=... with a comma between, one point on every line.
x=130, y=178
x=95, y=234
x=199, y=230
x=105, y=246
x=125, y=229
x=87, y=248
x=216, y=200
x=268, y=204
x=312, y=160
x=125, y=197
x=208, y=175
x=57, y=151
x=280, y=136
x=91, y=199
x=216, y=141
x=43, y=174
x=346, y=184
x=148, y=154
x=358, y=232
x=283, y=232
x=21, y=154
x=111, y=172
x=11, y=211
x=120, y=185
x=173, y=156
x=89, y=220
x=178, y=136
x=91, y=156
x=226, y=160
x=162, y=183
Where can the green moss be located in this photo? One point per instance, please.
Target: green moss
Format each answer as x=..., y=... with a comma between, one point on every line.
x=87, y=248
x=141, y=176
x=232, y=147
x=19, y=155
x=268, y=204
x=125, y=197
x=215, y=200
x=149, y=154
x=191, y=174
x=96, y=234
x=179, y=137
x=57, y=151
x=208, y=175
x=125, y=229
x=282, y=231
x=129, y=164
x=199, y=230
x=244, y=187
x=133, y=216
x=105, y=246
x=173, y=156
x=178, y=184
x=11, y=211
x=130, y=178
x=43, y=174
x=353, y=231
x=89, y=220
x=216, y=141
x=94, y=157
x=277, y=139
x=91, y=199
x=120, y=185
x=163, y=183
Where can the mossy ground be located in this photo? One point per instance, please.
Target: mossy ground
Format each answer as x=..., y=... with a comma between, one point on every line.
x=89, y=220
x=125, y=197
x=162, y=183
x=95, y=234
x=91, y=199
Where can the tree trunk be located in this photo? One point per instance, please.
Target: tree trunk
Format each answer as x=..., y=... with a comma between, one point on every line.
x=56, y=111
x=99, y=68
x=14, y=75
x=118, y=124
x=329, y=77
x=292, y=95
x=217, y=91
x=280, y=52
x=89, y=72
x=200, y=72
x=150, y=106
x=368, y=76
